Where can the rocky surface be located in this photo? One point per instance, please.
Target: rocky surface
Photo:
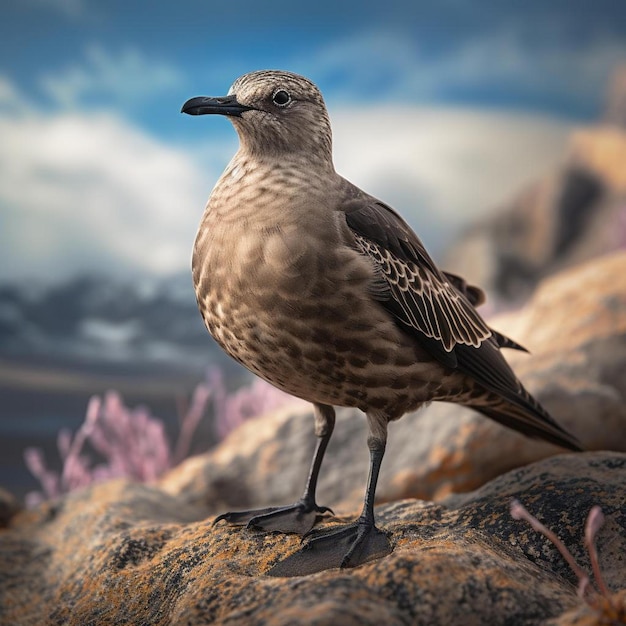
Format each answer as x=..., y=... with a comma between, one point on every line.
x=575, y=327
x=123, y=553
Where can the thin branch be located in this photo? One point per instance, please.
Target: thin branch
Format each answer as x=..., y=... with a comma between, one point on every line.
x=519, y=512
x=595, y=520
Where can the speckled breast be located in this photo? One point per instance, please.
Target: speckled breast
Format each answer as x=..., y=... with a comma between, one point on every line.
x=298, y=313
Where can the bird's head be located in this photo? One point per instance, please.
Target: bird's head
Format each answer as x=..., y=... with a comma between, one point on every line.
x=274, y=113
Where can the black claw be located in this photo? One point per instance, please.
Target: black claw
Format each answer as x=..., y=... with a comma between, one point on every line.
x=219, y=518
x=298, y=518
x=242, y=518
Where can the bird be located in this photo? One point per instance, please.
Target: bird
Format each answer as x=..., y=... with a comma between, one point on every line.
x=326, y=292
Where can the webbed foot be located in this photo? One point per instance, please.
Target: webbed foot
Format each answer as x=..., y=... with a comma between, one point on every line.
x=347, y=546
x=298, y=518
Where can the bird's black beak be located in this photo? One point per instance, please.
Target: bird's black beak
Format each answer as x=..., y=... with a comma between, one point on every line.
x=226, y=105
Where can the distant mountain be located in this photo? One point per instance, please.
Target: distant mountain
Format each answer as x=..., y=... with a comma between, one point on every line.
x=101, y=322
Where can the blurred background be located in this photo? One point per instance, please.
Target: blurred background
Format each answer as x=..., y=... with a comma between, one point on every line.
x=495, y=128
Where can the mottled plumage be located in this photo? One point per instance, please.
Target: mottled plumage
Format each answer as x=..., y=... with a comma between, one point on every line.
x=327, y=293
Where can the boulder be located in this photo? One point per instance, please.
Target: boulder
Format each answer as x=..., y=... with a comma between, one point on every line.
x=576, y=212
x=123, y=553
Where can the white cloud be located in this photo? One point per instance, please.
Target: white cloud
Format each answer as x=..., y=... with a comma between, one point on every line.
x=120, y=78
x=443, y=168
x=84, y=192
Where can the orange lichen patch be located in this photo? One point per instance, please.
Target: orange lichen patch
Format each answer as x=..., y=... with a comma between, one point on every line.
x=463, y=573
x=447, y=468
x=126, y=553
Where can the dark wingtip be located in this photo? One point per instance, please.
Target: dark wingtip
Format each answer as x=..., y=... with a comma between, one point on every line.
x=506, y=342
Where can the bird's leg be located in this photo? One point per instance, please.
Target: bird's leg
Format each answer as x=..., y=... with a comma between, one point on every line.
x=370, y=542
x=350, y=545
x=301, y=516
x=324, y=426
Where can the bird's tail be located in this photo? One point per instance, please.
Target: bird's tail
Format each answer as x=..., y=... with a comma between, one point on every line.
x=523, y=413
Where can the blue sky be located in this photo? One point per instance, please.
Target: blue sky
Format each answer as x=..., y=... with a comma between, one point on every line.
x=443, y=108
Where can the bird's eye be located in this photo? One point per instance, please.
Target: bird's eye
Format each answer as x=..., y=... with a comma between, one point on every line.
x=281, y=98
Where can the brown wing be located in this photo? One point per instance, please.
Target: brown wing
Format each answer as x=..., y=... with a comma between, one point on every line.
x=476, y=297
x=437, y=310
x=421, y=296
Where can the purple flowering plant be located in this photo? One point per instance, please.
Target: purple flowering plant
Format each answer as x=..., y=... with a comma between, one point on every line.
x=132, y=443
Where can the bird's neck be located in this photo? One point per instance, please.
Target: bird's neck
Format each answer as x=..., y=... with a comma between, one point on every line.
x=286, y=175
x=250, y=185
x=283, y=159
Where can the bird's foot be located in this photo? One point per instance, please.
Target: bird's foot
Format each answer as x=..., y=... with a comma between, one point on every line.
x=298, y=518
x=347, y=546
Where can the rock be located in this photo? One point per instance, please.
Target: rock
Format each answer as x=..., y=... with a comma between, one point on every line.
x=573, y=214
x=576, y=328
x=122, y=553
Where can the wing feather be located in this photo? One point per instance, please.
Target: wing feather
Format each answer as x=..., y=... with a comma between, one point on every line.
x=428, y=301
x=438, y=310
